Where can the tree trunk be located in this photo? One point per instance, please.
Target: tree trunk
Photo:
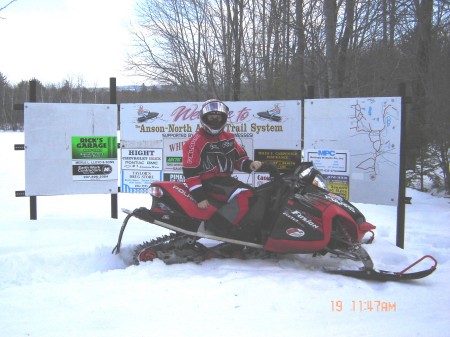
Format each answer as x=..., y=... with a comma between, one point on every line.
x=419, y=88
x=238, y=32
x=423, y=32
x=330, y=13
x=344, y=44
x=392, y=22
x=301, y=44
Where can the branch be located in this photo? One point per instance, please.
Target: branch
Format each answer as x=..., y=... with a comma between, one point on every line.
x=2, y=8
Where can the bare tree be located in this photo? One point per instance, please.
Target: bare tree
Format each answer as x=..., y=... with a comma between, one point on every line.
x=330, y=13
x=236, y=18
x=344, y=44
x=299, y=59
x=169, y=43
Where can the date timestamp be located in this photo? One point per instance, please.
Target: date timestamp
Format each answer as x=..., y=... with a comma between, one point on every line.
x=363, y=306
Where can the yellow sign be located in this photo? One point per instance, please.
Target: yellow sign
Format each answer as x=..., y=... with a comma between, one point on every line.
x=339, y=185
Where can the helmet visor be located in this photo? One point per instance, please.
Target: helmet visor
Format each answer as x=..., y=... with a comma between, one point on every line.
x=215, y=107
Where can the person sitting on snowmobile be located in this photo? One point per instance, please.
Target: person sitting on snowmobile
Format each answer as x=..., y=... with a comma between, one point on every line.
x=209, y=158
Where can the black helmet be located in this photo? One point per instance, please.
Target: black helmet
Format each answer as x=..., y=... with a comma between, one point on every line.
x=213, y=116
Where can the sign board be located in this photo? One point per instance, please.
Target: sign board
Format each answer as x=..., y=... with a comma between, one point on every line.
x=282, y=159
x=334, y=165
x=266, y=129
x=93, y=158
x=329, y=161
x=70, y=149
x=369, y=131
x=339, y=184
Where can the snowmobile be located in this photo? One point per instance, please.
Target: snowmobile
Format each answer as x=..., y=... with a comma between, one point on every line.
x=294, y=213
x=147, y=115
x=269, y=115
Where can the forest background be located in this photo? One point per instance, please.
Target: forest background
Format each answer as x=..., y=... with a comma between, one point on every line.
x=191, y=50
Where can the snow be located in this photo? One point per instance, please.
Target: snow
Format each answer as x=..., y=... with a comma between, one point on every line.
x=59, y=278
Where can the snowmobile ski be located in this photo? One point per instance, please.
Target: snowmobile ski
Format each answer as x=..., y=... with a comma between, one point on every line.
x=369, y=273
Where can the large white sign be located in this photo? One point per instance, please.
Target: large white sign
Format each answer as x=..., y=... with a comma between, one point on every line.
x=268, y=130
x=369, y=129
x=70, y=149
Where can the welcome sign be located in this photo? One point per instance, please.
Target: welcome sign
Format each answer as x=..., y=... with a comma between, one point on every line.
x=272, y=126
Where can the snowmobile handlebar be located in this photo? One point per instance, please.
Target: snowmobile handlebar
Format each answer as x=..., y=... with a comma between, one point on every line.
x=271, y=168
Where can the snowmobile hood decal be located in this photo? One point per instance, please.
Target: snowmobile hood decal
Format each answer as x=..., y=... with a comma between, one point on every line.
x=180, y=190
x=341, y=203
x=295, y=232
x=304, y=219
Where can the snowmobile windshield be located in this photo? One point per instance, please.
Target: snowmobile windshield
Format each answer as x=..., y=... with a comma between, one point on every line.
x=315, y=177
x=320, y=181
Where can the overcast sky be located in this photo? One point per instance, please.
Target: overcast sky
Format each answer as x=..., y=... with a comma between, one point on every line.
x=54, y=40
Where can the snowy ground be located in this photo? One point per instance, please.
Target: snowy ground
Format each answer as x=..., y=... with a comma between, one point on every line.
x=59, y=278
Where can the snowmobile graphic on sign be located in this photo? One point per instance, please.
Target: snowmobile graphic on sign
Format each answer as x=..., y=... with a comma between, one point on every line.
x=144, y=115
x=273, y=114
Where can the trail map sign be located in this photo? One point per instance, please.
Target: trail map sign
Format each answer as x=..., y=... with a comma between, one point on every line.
x=153, y=134
x=368, y=129
x=70, y=149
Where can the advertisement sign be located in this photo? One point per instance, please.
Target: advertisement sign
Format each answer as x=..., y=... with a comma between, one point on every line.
x=334, y=165
x=329, y=161
x=137, y=181
x=274, y=126
x=282, y=159
x=141, y=159
x=94, y=158
x=339, y=185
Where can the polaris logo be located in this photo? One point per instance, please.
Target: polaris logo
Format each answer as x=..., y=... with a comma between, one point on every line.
x=180, y=190
x=295, y=232
x=341, y=203
x=326, y=153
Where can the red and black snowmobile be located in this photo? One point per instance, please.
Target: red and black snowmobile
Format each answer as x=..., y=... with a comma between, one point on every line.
x=294, y=213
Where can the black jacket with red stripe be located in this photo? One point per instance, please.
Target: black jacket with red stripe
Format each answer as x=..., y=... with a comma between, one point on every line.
x=206, y=157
